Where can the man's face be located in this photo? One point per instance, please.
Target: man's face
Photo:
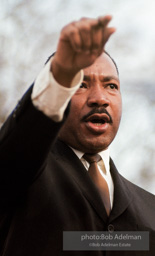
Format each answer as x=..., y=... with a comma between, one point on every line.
x=96, y=108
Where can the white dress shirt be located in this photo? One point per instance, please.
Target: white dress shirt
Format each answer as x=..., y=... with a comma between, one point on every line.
x=52, y=99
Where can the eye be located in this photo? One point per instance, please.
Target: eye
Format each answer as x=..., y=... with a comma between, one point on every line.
x=83, y=85
x=112, y=86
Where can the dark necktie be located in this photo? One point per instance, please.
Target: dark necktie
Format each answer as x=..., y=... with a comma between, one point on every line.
x=98, y=179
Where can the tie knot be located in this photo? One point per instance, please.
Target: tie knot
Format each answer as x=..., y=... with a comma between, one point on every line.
x=91, y=158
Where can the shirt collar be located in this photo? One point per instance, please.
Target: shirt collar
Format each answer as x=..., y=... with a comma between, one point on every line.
x=105, y=154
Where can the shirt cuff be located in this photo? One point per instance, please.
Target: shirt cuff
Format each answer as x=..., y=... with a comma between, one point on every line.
x=50, y=97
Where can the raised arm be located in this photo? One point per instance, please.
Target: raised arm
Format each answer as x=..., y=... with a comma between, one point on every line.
x=27, y=135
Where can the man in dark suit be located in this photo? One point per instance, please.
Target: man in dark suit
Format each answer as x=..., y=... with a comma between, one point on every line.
x=45, y=183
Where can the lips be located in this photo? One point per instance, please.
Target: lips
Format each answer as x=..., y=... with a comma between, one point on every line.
x=97, y=123
x=98, y=119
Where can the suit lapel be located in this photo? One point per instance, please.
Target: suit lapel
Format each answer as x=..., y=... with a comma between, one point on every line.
x=73, y=167
x=79, y=175
x=122, y=194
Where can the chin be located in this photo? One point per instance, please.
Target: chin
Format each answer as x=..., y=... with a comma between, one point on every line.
x=95, y=146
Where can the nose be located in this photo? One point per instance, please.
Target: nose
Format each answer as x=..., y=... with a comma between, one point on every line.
x=97, y=97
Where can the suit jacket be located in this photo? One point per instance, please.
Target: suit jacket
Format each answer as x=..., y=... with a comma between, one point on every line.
x=45, y=190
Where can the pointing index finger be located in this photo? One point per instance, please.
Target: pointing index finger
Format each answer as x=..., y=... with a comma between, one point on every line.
x=104, y=20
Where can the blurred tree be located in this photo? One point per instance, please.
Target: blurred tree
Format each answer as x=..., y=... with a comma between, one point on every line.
x=28, y=33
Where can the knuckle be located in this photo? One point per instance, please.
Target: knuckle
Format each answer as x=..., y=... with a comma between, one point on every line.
x=83, y=19
x=85, y=28
x=72, y=30
x=68, y=27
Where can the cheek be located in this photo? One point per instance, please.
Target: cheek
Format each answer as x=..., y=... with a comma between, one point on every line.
x=117, y=111
x=77, y=104
x=120, y=108
x=73, y=117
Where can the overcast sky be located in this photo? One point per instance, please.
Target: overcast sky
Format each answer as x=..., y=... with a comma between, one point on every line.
x=29, y=32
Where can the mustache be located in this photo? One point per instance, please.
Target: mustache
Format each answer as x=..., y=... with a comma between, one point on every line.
x=100, y=110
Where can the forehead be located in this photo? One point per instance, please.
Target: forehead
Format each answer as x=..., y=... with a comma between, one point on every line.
x=102, y=66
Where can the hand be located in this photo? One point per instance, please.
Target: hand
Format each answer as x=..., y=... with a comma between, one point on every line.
x=80, y=44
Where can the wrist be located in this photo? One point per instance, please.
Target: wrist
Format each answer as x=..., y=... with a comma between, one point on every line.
x=62, y=75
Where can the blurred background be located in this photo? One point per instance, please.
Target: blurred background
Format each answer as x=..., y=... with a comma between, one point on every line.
x=29, y=31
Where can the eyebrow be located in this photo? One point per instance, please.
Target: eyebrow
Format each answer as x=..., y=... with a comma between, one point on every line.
x=102, y=78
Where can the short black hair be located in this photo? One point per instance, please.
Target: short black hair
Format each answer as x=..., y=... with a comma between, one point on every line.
x=112, y=61
x=104, y=52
